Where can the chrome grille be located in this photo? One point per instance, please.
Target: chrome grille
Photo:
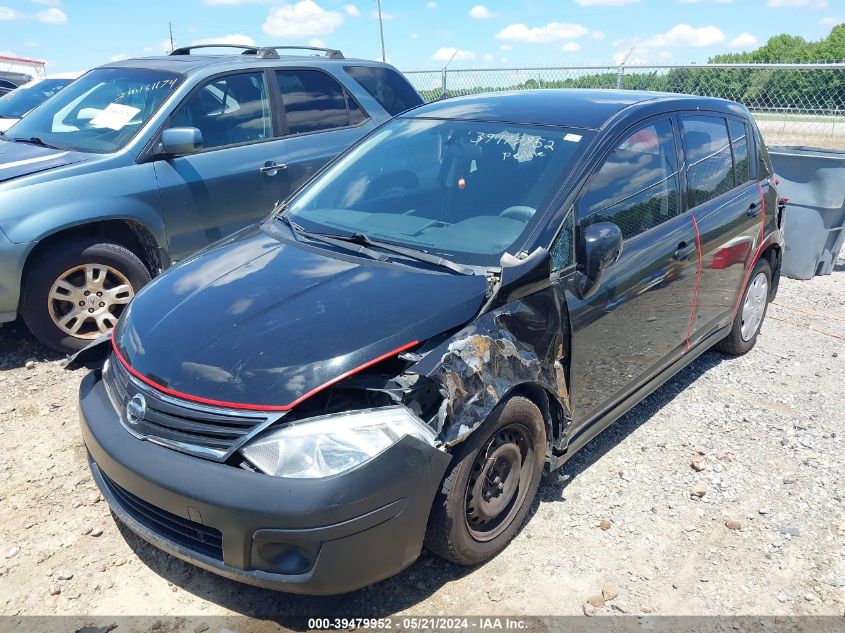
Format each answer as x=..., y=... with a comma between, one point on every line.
x=206, y=431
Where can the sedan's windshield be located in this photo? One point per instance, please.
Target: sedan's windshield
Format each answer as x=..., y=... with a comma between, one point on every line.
x=18, y=102
x=99, y=112
x=464, y=190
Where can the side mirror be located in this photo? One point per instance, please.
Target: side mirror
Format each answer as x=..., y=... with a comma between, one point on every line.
x=601, y=245
x=176, y=141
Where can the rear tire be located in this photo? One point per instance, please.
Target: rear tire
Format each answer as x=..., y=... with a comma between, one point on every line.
x=76, y=291
x=490, y=485
x=751, y=312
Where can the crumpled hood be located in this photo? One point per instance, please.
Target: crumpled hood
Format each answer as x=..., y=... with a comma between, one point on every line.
x=256, y=321
x=21, y=159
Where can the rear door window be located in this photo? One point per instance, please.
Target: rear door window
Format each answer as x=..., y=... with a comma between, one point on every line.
x=708, y=158
x=637, y=186
x=386, y=86
x=314, y=101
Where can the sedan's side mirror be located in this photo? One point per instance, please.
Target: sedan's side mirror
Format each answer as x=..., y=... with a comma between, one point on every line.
x=601, y=245
x=177, y=141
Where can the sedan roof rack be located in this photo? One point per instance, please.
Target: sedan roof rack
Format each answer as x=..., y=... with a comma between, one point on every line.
x=331, y=53
x=261, y=52
x=245, y=50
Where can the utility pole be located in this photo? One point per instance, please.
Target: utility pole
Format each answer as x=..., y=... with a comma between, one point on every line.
x=172, y=45
x=381, y=31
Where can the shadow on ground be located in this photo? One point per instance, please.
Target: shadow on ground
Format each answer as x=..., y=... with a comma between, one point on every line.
x=429, y=574
x=17, y=346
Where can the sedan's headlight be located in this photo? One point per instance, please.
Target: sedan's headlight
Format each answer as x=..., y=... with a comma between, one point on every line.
x=331, y=444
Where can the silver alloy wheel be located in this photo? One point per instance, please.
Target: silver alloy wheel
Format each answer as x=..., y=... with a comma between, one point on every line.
x=86, y=300
x=754, y=306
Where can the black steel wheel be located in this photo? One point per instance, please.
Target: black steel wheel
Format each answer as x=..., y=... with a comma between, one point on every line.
x=490, y=485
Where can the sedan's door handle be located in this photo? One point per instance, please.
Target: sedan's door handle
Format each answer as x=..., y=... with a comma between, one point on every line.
x=684, y=250
x=753, y=209
x=271, y=169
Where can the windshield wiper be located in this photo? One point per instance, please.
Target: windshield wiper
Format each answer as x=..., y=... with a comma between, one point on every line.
x=330, y=239
x=411, y=253
x=34, y=140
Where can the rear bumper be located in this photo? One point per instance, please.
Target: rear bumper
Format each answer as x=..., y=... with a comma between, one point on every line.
x=12, y=258
x=315, y=537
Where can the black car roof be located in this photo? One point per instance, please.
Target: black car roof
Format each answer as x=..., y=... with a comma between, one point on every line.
x=577, y=108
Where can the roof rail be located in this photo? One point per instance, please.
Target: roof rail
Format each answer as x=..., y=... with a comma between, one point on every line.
x=262, y=52
x=331, y=53
x=258, y=51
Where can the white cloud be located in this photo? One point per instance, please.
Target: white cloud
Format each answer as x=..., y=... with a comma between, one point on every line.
x=744, y=40
x=606, y=3
x=238, y=39
x=480, y=12
x=49, y=3
x=812, y=4
x=52, y=16
x=352, y=10
x=7, y=14
x=686, y=35
x=506, y=47
x=552, y=32
x=430, y=5
x=445, y=53
x=597, y=35
x=831, y=21
x=303, y=19
x=316, y=41
x=118, y=58
x=571, y=47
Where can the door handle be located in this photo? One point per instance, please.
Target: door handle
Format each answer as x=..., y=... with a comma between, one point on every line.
x=271, y=169
x=753, y=209
x=684, y=250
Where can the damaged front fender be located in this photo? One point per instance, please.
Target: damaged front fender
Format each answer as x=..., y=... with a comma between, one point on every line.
x=521, y=344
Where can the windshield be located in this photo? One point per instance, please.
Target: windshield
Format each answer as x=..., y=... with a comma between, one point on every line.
x=18, y=102
x=459, y=189
x=99, y=112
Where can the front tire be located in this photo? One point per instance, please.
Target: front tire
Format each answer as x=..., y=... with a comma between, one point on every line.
x=488, y=490
x=751, y=313
x=76, y=291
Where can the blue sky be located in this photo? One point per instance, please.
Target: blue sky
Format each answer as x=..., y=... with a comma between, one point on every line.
x=78, y=34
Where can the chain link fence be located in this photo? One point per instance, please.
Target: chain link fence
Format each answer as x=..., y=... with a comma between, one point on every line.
x=793, y=104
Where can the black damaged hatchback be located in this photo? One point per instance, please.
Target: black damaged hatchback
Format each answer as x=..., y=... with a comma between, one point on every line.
x=455, y=305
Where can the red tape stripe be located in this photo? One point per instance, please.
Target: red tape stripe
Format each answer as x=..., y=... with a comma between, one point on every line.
x=256, y=407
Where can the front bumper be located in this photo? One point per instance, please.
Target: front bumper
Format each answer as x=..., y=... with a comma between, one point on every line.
x=310, y=536
x=12, y=259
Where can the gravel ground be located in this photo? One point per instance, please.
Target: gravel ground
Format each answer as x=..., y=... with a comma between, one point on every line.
x=722, y=493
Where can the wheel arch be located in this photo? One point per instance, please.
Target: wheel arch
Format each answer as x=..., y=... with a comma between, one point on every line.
x=555, y=416
x=774, y=255
x=130, y=233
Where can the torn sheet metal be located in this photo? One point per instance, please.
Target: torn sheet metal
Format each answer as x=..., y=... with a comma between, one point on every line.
x=517, y=344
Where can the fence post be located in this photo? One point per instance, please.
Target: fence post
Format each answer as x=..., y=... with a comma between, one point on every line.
x=620, y=73
x=443, y=84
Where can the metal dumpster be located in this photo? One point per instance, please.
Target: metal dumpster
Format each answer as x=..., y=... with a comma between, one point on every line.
x=814, y=182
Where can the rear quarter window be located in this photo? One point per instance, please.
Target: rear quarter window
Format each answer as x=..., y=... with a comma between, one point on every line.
x=386, y=86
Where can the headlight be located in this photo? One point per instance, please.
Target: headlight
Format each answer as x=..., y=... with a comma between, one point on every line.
x=332, y=444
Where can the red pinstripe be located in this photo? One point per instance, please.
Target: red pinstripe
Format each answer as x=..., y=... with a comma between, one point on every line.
x=256, y=407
